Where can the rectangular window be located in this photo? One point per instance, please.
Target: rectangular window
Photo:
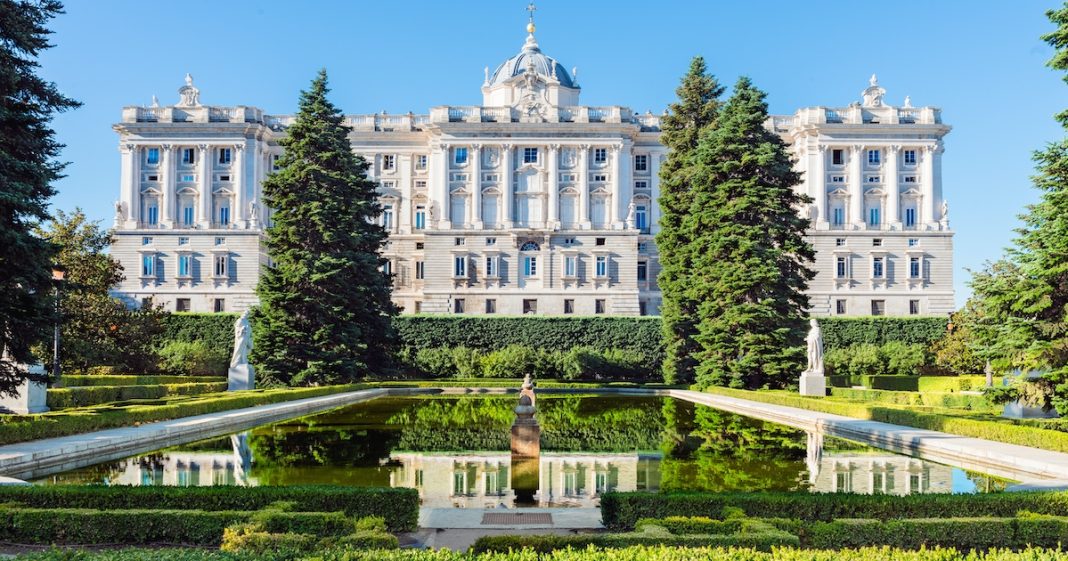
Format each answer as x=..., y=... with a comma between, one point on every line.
x=600, y=155
x=225, y=155
x=598, y=306
x=224, y=178
x=220, y=305
x=910, y=217
x=599, y=241
x=838, y=216
x=643, y=247
x=387, y=217
x=189, y=156
x=643, y=308
x=457, y=241
x=188, y=216
x=224, y=215
x=874, y=179
x=185, y=266
x=419, y=245
x=873, y=216
x=641, y=220
x=420, y=217
x=910, y=179
x=877, y=242
x=599, y=178
x=460, y=155
x=914, y=267
x=458, y=306
x=530, y=155
x=641, y=162
x=601, y=270
x=387, y=267
x=153, y=156
x=146, y=241
x=878, y=307
x=274, y=162
x=639, y=185
x=913, y=242
x=643, y=271
x=569, y=306
x=148, y=265
x=491, y=306
x=220, y=241
x=570, y=266
x=873, y=157
x=491, y=266
x=568, y=242
x=914, y=307
x=153, y=215
x=388, y=162
x=491, y=241
x=188, y=178
x=839, y=242
x=840, y=307
x=877, y=271
x=910, y=157
x=841, y=269
x=221, y=265
x=419, y=270
x=420, y=161
x=530, y=306
x=837, y=179
x=459, y=268
x=838, y=157
x=146, y=302
x=530, y=266
x=420, y=184
x=183, y=240
x=181, y=305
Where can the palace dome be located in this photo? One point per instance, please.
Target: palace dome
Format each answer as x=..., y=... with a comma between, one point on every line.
x=531, y=55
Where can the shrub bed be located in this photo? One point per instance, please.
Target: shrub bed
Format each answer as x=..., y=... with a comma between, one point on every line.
x=621, y=511
x=84, y=380
x=924, y=399
x=63, y=398
x=20, y=428
x=913, y=383
x=398, y=507
x=842, y=332
x=761, y=541
x=991, y=428
x=125, y=527
x=961, y=533
x=579, y=363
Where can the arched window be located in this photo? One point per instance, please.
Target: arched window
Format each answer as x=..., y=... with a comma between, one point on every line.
x=530, y=246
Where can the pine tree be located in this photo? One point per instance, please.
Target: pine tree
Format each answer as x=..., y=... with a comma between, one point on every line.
x=1025, y=296
x=695, y=110
x=748, y=251
x=27, y=169
x=325, y=303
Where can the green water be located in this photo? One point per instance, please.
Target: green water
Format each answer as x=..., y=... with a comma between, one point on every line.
x=455, y=450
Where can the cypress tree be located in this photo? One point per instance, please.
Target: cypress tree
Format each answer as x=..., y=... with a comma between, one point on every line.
x=696, y=108
x=748, y=251
x=325, y=303
x=27, y=169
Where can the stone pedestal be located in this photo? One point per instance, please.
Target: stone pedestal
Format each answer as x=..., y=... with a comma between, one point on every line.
x=813, y=383
x=242, y=377
x=32, y=398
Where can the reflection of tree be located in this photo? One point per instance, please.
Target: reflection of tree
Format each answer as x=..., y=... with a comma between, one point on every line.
x=710, y=450
x=987, y=483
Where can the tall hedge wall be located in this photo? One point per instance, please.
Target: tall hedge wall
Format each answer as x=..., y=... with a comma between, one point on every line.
x=640, y=334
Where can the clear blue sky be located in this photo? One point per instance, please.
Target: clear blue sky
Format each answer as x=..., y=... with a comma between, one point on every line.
x=981, y=62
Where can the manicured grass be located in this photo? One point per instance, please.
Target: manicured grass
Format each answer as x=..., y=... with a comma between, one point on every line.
x=21, y=428
x=953, y=421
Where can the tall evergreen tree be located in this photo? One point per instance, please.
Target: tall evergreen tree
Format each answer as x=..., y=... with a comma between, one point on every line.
x=748, y=251
x=1025, y=297
x=27, y=169
x=325, y=303
x=696, y=108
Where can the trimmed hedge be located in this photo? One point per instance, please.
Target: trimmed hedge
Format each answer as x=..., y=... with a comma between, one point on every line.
x=63, y=398
x=399, y=507
x=922, y=399
x=85, y=380
x=20, y=428
x=960, y=533
x=913, y=383
x=761, y=541
x=841, y=332
x=622, y=511
x=629, y=554
x=945, y=420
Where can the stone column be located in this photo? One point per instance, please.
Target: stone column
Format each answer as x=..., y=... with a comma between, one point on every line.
x=615, y=216
x=476, y=187
x=654, y=192
x=439, y=188
x=927, y=201
x=856, y=186
x=507, y=189
x=131, y=183
x=239, y=215
x=167, y=171
x=893, y=189
x=403, y=219
x=625, y=165
x=204, y=210
x=553, y=214
x=818, y=181
x=583, y=166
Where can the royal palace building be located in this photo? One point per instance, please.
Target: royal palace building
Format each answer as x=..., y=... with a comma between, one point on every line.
x=529, y=203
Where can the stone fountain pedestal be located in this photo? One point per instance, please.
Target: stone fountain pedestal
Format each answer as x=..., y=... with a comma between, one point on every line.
x=526, y=448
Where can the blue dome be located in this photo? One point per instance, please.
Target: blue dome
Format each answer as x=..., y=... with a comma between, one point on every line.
x=543, y=65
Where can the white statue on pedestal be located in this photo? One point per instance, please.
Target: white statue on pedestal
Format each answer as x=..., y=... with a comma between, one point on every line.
x=813, y=382
x=241, y=375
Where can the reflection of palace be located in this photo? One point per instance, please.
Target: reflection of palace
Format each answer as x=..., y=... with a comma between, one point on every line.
x=875, y=473
x=483, y=480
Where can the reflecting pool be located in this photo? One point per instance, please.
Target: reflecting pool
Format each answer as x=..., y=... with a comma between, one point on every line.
x=455, y=450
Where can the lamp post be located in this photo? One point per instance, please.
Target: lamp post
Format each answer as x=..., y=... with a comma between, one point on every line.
x=58, y=272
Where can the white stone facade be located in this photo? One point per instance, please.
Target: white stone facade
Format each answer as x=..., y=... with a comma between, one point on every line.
x=528, y=203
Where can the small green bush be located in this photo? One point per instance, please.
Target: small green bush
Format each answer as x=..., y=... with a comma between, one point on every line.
x=193, y=358
x=247, y=539
x=467, y=362
x=435, y=362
